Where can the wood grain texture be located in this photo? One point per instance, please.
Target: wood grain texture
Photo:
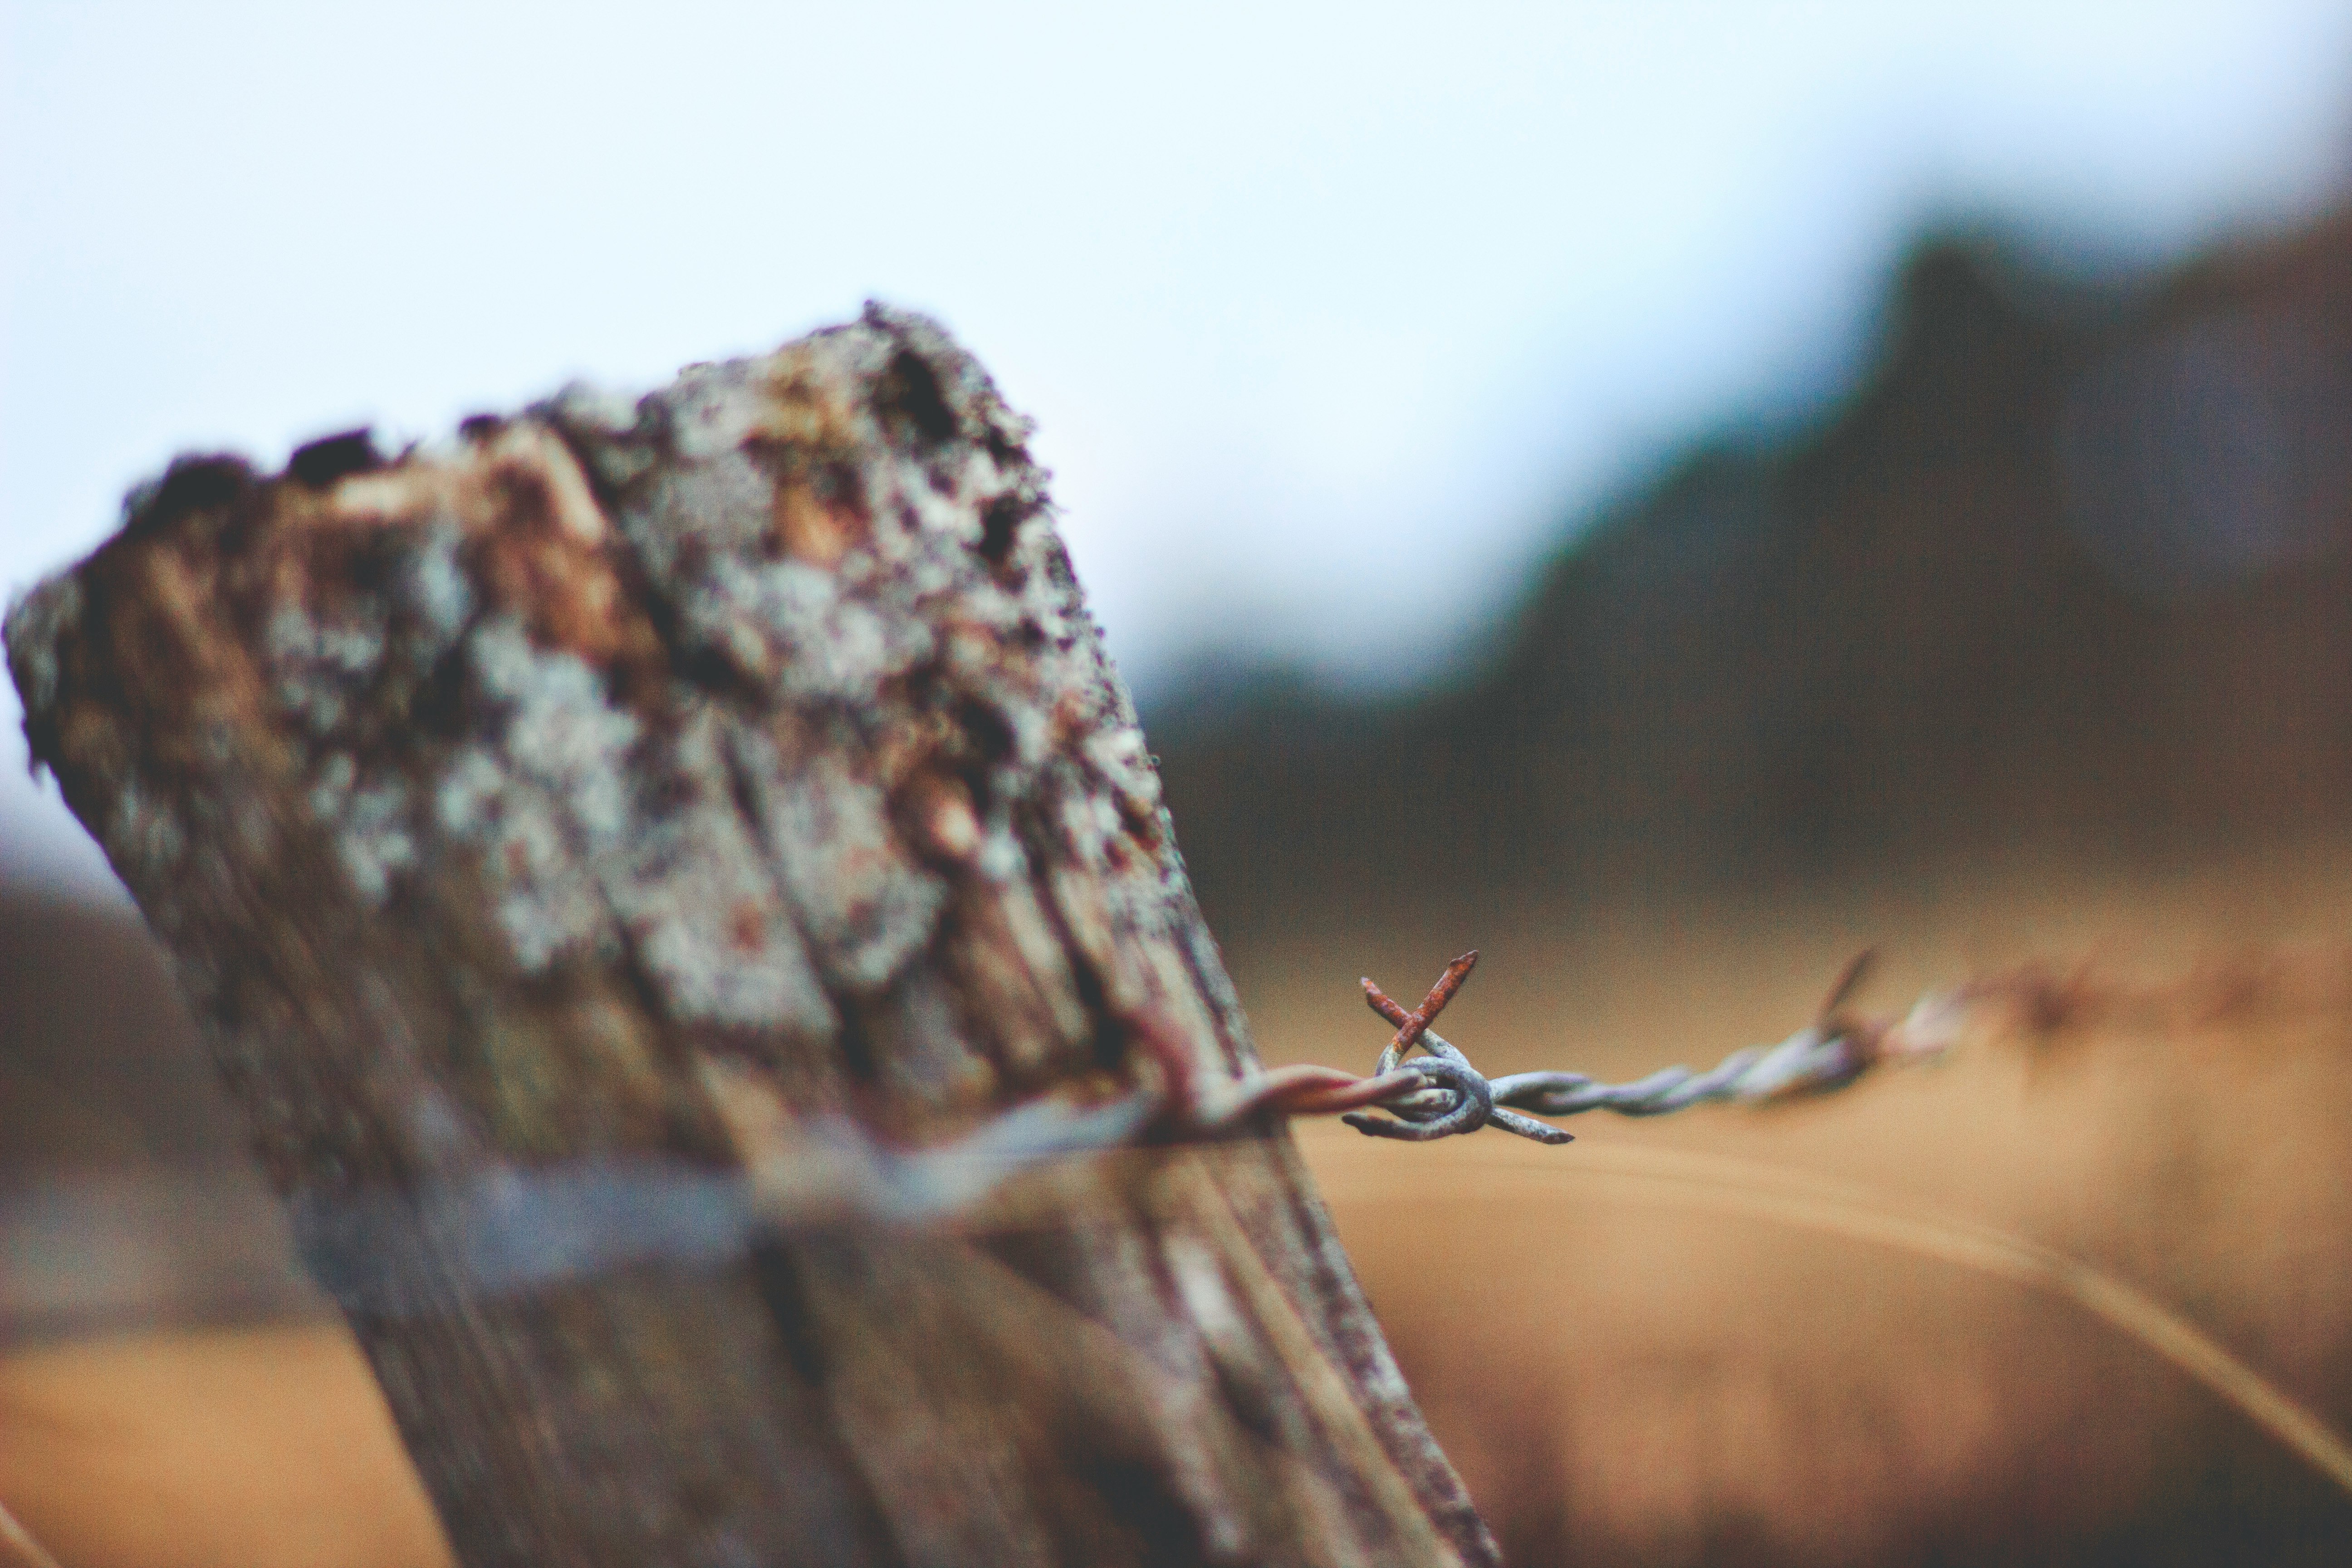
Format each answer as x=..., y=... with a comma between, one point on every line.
x=647, y=781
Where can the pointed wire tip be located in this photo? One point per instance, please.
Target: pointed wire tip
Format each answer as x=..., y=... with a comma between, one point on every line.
x=1387, y=1006
x=1849, y=980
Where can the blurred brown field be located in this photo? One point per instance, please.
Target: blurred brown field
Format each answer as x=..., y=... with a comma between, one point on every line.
x=266, y=1447
x=1630, y=1365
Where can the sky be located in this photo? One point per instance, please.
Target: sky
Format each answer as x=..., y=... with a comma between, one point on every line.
x=1333, y=316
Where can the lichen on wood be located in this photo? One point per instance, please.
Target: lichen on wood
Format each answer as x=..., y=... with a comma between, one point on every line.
x=646, y=781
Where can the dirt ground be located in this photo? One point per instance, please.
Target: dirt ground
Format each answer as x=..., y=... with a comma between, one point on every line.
x=1630, y=1358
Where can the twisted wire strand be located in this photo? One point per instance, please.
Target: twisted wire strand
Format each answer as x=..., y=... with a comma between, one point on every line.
x=507, y=1230
x=504, y=1229
x=1828, y=1053
x=1810, y=1061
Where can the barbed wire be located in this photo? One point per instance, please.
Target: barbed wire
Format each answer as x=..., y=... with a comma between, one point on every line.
x=1827, y=1054
x=502, y=1229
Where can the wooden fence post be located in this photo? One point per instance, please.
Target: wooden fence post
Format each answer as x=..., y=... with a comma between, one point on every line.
x=631, y=789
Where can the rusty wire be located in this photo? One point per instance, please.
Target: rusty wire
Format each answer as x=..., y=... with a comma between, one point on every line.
x=1441, y=1095
x=510, y=1229
x=505, y=1229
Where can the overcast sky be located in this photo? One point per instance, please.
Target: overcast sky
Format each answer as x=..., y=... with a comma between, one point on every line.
x=1332, y=314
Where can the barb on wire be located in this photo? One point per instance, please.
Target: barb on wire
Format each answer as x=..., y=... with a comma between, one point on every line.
x=1827, y=1054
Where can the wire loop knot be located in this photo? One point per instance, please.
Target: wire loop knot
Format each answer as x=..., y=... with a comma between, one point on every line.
x=1459, y=1099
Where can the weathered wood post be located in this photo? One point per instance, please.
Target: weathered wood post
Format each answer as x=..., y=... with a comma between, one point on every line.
x=630, y=787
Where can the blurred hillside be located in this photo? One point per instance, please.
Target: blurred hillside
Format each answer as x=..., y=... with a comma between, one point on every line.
x=2071, y=572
